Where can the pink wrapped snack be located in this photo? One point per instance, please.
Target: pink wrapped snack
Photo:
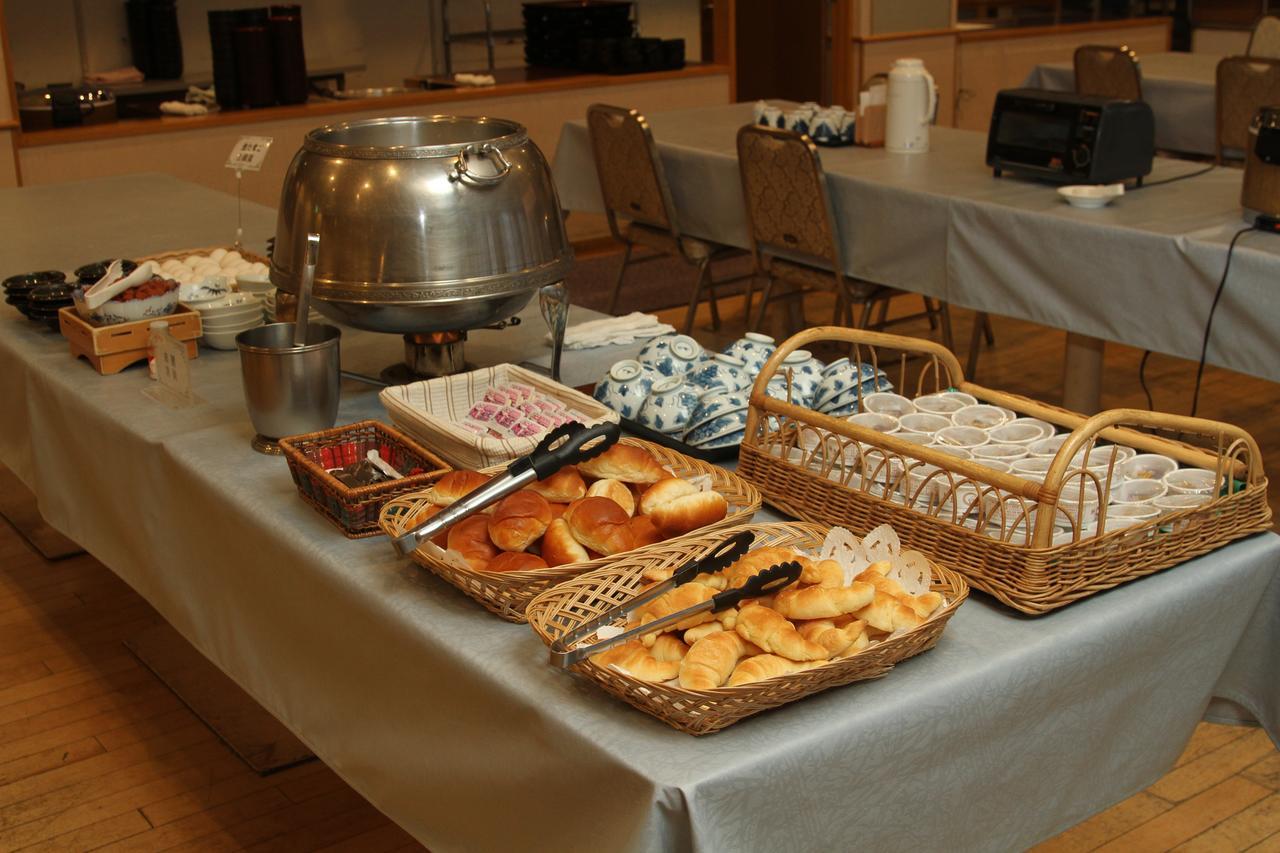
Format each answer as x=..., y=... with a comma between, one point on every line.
x=526, y=428
x=497, y=394
x=525, y=392
x=550, y=406
x=546, y=420
x=529, y=408
x=474, y=427
x=484, y=411
x=508, y=416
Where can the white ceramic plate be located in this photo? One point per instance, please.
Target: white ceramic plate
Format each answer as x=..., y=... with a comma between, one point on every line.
x=1091, y=196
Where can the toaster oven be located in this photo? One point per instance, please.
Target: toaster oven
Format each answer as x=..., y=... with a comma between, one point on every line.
x=1070, y=138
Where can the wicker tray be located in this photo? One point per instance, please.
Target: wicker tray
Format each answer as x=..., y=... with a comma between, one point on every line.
x=559, y=610
x=1023, y=567
x=355, y=510
x=508, y=593
x=430, y=411
x=182, y=253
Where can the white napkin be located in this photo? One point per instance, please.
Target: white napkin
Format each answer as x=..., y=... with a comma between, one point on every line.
x=614, y=330
x=112, y=284
x=182, y=108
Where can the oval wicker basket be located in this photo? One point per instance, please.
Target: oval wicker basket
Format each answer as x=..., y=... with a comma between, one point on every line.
x=507, y=593
x=697, y=712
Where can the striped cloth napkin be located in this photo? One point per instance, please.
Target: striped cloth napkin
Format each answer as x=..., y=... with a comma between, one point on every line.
x=614, y=330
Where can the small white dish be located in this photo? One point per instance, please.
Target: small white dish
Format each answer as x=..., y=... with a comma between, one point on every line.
x=1091, y=196
x=1136, y=492
x=1048, y=447
x=887, y=403
x=982, y=416
x=923, y=423
x=1176, y=503
x=967, y=437
x=1147, y=466
x=1191, y=481
x=1003, y=452
x=1033, y=467
x=945, y=402
x=1022, y=431
x=876, y=421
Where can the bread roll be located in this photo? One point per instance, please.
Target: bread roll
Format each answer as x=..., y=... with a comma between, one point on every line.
x=773, y=633
x=519, y=520
x=817, y=602
x=826, y=634
x=665, y=491
x=710, y=661
x=637, y=661
x=765, y=666
x=454, y=485
x=515, y=561
x=563, y=487
x=616, y=491
x=600, y=525
x=646, y=533
x=689, y=513
x=557, y=510
x=625, y=462
x=470, y=538
x=559, y=547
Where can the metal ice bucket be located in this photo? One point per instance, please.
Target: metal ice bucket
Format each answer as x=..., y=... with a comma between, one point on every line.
x=289, y=390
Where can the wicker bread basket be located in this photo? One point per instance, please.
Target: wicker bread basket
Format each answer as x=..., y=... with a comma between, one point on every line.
x=1009, y=547
x=508, y=593
x=560, y=610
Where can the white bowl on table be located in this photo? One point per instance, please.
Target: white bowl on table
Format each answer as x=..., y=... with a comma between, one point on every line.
x=1091, y=196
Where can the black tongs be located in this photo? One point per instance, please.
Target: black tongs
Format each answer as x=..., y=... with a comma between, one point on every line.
x=565, y=445
x=772, y=579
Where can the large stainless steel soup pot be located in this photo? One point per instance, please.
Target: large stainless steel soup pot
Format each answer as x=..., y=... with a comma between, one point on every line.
x=426, y=224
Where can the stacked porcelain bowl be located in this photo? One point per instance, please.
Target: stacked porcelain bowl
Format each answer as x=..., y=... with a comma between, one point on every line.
x=677, y=388
x=224, y=317
x=1143, y=486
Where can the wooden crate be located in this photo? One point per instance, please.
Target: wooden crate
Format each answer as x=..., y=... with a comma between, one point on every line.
x=111, y=349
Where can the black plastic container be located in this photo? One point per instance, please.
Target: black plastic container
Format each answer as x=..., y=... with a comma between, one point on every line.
x=287, y=54
x=254, y=69
x=222, y=42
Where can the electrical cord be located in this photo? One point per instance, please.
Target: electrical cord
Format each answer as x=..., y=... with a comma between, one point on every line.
x=1206, y=170
x=1208, y=326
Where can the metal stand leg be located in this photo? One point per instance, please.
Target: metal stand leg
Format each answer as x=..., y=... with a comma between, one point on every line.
x=764, y=301
x=1082, y=374
x=697, y=294
x=617, y=285
x=553, y=301
x=944, y=311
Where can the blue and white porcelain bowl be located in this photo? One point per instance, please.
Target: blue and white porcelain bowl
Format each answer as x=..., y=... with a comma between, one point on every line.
x=732, y=439
x=802, y=361
x=753, y=348
x=716, y=403
x=669, y=407
x=721, y=370
x=777, y=388
x=848, y=399
x=806, y=374
x=842, y=377
x=717, y=427
x=626, y=386
x=673, y=355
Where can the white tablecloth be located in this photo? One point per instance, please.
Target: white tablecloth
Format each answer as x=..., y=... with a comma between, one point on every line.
x=1178, y=86
x=452, y=722
x=941, y=225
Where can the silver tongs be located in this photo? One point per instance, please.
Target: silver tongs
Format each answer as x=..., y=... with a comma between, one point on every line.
x=772, y=579
x=565, y=445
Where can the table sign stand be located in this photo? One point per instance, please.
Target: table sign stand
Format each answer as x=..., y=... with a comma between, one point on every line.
x=248, y=154
x=173, y=375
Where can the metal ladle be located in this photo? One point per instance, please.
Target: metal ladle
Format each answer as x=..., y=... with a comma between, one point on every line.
x=304, y=291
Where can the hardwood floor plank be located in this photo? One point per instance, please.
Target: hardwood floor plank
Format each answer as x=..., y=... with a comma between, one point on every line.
x=23, y=672
x=380, y=839
x=103, y=671
x=127, y=702
x=1104, y=826
x=1207, y=738
x=140, y=731
x=1266, y=772
x=313, y=834
x=207, y=828
x=323, y=782
x=1188, y=819
x=1270, y=844
x=1240, y=831
x=91, y=837
x=63, y=755
x=224, y=791
x=18, y=712
x=276, y=823
x=1211, y=768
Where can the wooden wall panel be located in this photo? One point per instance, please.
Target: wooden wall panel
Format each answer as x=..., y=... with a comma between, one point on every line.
x=991, y=61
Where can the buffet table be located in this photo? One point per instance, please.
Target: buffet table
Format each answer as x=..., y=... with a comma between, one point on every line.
x=452, y=722
x=1179, y=87
x=939, y=224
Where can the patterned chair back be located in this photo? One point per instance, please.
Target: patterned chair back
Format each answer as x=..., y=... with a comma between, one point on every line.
x=785, y=191
x=632, y=181
x=1108, y=72
x=1245, y=84
x=1264, y=41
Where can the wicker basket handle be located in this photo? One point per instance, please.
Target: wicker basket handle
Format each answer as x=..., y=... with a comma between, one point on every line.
x=1233, y=443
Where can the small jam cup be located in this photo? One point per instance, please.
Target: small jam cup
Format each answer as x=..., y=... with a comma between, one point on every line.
x=981, y=416
x=945, y=402
x=961, y=436
x=876, y=421
x=923, y=423
x=1032, y=467
x=1191, y=481
x=1047, y=447
x=1017, y=433
x=1120, y=516
x=1147, y=466
x=1137, y=492
x=886, y=403
x=1002, y=452
x=1177, y=503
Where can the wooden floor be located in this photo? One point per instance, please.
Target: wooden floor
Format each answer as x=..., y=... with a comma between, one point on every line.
x=95, y=753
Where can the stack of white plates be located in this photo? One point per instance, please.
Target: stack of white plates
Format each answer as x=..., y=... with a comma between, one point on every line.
x=224, y=318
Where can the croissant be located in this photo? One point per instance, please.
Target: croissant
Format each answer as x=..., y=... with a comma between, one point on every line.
x=822, y=573
x=756, y=561
x=470, y=538
x=673, y=601
x=887, y=613
x=562, y=487
x=559, y=547
x=859, y=643
x=771, y=632
x=625, y=462
x=637, y=661
x=922, y=604
x=669, y=647
x=711, y=660
x=515, y=561
x=706, y=629
x=454, y=485
x=600, y=525
x=874, y=575
x=826, y=634
x=519, y=520
x=616, y=491
x=764, y=666
x=819, y=602
x=657, y=573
